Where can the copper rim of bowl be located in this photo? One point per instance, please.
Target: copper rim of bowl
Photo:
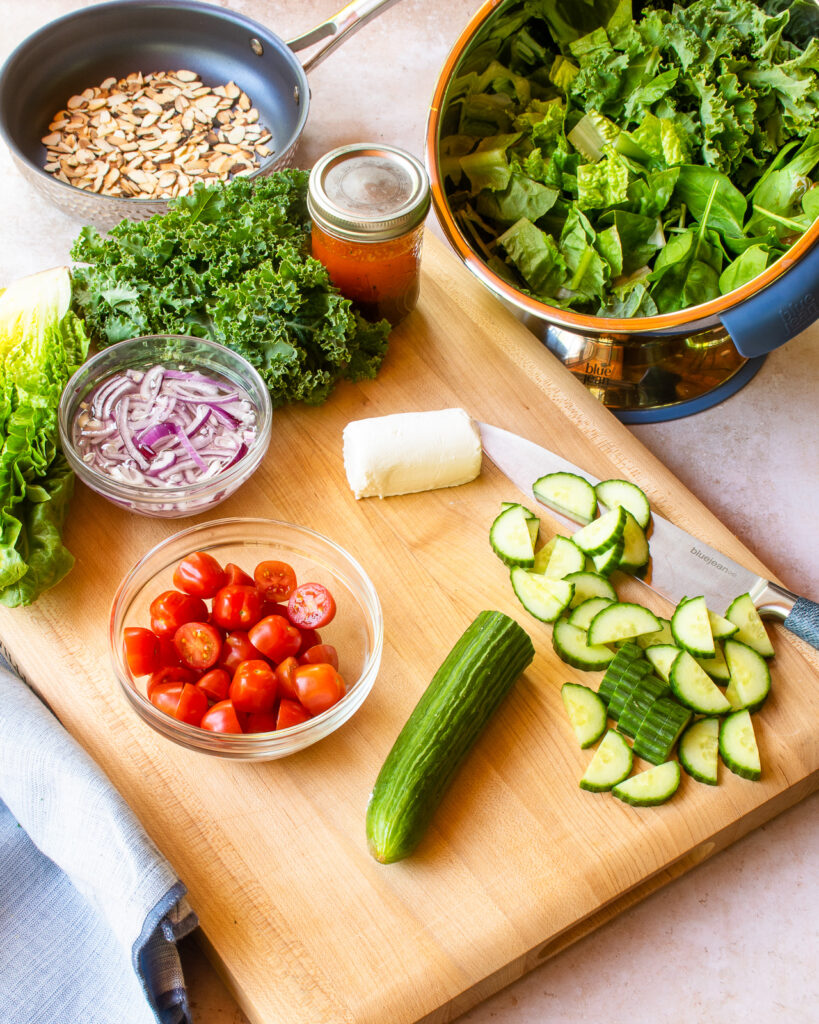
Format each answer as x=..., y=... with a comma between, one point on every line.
x=194, y=737
x=580, y=322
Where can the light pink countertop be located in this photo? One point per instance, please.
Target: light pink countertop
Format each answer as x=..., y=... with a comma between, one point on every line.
x=736, y=938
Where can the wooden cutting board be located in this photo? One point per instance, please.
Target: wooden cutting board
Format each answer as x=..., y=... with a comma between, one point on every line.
x=305, y=927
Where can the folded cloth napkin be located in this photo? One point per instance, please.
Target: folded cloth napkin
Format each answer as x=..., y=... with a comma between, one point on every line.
x=90, y=911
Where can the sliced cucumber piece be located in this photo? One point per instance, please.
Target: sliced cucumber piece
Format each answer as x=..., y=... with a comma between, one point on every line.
x=626, y=655
x=542, y=555
x=587, y=713
x=662, y=657
x=612, y=493
x=540, y=596
x=565, y=558
x=590, y=584
x=572, y=647
x=691, y=628
x=716, y=667
x=605, y=562
x=742, y=612
x=694, y=688
x=750, y=677
x=510, y=537
x=699, y=750
x=602, y=533
x=531, y=519
x=582, y=615
x=635, y=546
x=738, y=747
x=660, y=730
x=628, y=683
x=645, y=693
x=662, y=636
x=621, y=621
x=569, y=494
x=721, y=628
x=612, y=762
x=651, y=787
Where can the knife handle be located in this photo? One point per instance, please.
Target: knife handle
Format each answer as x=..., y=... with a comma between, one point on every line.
x=803, y=621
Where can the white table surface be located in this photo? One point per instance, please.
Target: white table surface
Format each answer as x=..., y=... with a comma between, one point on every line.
x=736, y=938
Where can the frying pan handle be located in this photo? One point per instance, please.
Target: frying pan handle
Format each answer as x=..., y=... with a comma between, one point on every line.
x=779, y=312
x=338, y=28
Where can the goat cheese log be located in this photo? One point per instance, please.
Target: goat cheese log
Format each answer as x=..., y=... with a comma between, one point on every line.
x=411, y=451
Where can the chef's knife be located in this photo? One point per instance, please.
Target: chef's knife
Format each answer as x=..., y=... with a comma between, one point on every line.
x=681, y=565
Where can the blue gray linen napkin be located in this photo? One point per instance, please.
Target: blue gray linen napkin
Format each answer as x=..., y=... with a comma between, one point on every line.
x=90, y=911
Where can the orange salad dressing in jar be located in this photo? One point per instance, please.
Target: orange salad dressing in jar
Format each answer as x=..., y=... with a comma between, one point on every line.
x=368, y=204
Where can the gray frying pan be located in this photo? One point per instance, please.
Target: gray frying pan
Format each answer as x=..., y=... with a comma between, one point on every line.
x=120, y=37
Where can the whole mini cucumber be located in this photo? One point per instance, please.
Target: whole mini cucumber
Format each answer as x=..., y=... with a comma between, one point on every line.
x=465, y=691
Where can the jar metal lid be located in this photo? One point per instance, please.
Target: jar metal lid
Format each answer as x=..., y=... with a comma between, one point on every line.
x=368, y=192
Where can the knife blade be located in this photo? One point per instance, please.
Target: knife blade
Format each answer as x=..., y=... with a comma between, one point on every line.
x=681, y=565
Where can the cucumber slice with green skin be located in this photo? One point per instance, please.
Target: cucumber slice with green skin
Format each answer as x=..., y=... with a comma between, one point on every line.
x=662, y=657
x=531, y=519
x=662, y=636
x=568, y=494
x=572, y=647
x=661, y=728
x=621, y=621
x=590, y=584
x=738, y=747
x=564, y=558
x=542, y=556
x=510, y=537
x=625, y=656
x=629, y=681
x=612, y=493
x=612, y=762
x=750, y=677
x=605, y=562
x=699, y=750
x=587, y=713
x=651, y=787
x=645, y=693
x=742, y=612
x=691, y=628
x=694, y=688
x=721, y=628
x=582, y=615
x=602, y=533
x=635, y=546
x=716, y=667
x=540, y=596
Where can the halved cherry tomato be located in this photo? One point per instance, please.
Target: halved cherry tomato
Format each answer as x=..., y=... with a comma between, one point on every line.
x=221, y=717
x=261, y=721
x=285, y=672
x=290, y=713
x=215, y=684
x=274, y=608
x=320, y=654
x=141, y=650
x=165, y=696
x=309, y=638
x=311, y=605
x=198, y=644
x=319, y=687
x=253, y=687
x=181, y=701
x=237, y=576
x=169, y=674
x=275, y=637
x=168, y=654
x=173, y=609
x=276, y=580
x=237, y=648
x=236, y=607
x=199, y=574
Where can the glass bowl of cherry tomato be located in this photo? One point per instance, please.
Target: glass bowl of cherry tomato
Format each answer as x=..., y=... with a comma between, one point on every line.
x=246, y=638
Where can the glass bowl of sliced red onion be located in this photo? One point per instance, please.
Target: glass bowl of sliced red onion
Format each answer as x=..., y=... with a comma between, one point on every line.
x=165, y=425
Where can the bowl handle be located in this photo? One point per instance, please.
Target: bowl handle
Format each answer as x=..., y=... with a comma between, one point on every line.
x=779, y=312
x=338, y=28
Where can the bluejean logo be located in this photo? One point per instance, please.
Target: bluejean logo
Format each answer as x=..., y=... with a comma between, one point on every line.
x=712, y=561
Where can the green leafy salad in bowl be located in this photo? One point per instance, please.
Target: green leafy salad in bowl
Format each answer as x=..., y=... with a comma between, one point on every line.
x=625, y=163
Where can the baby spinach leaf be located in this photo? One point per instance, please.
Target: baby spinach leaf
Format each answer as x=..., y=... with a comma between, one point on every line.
x=744, y=268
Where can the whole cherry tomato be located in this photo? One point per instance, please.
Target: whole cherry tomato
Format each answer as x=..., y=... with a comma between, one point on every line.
x=253, y=687
x=215, y=684
x=169, y=674
x=261, y=721
x=285, y=672
x=221, y=717
x=236, y=607
x=321, y=654
x=275, y=637
x=198, y=644
x=199, y=574
x=311, y=606
x=290, y=713
x=173, y=609
x=236, y=576
x=235, y=649
x=141, y=650
x=319, y=687
x=276, y=580
x=309, y=638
